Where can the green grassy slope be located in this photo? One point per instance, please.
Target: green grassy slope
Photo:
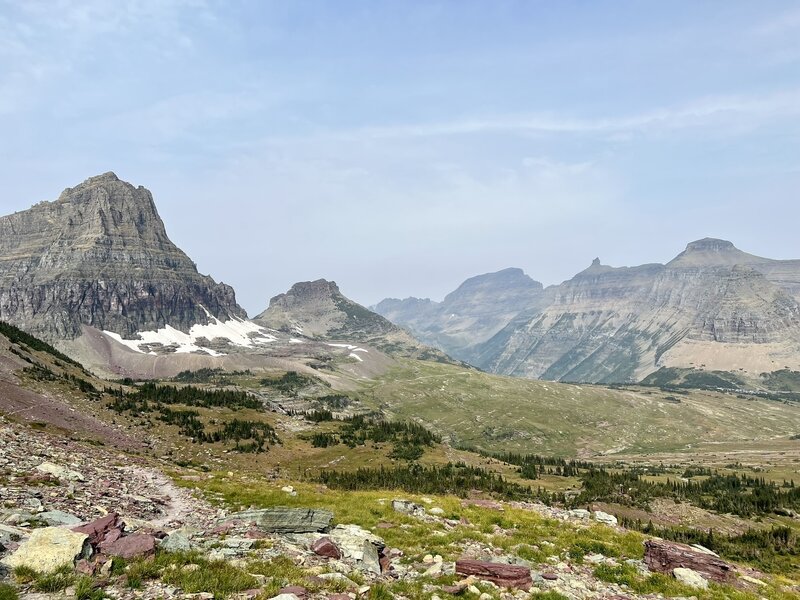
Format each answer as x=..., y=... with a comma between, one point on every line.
x=504, y=413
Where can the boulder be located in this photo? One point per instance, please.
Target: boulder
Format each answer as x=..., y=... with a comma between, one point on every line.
x=690, y=578
x=510, y=576
x=604, y=517
x=56, y=518
x=48, y=549
x=325, y=546
x=177, y=541
x=579, y=513
x=281, y=519
x=297, y=590
x=102, y=529
x=662, y=556
x=359, y=545
x=408, y=508
x=59, y=472
x=132, y=546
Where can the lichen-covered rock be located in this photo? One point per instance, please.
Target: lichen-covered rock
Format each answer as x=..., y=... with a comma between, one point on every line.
x=281, y=519
x=48, y=549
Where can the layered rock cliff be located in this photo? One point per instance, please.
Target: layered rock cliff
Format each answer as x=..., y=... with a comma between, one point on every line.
x=100, y=256
x=318, y=310
x=712, y=305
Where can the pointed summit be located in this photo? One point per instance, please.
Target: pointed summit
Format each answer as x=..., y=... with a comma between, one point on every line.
x=100, y=256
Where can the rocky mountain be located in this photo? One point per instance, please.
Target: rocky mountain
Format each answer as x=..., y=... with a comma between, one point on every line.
x=99, y=255
x=318, y=310
x=713, y=306
x=478, y=309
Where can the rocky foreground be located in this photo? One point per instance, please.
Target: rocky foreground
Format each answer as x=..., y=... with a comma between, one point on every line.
x=95, y=515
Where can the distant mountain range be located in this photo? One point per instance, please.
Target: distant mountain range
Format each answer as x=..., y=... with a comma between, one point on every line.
x=95, y=273
x=713, y=306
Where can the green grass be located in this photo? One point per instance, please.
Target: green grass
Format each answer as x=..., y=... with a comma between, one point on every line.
x=8, y=592
x=497, y=413
x=87, y=589
x=56, y=581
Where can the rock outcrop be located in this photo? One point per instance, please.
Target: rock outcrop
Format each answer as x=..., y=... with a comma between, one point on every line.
x=318, y=310
x=662, y=556
x=100, y=256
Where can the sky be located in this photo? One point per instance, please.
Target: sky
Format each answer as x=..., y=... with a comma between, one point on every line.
x=399, y=147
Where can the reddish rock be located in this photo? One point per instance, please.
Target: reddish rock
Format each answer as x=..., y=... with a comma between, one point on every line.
x=456, y=589
x=510, y=576
x=662, y=557
x=325, y=546
x=222, y=529
x=101, y=529
x=132, y=546
x=339, y=597
x=297, y=590
x=84, y=567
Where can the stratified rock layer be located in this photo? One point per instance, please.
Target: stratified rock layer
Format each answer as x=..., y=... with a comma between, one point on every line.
x=100, y=256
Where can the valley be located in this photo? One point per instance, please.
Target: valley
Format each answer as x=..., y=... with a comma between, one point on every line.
x=143, y=393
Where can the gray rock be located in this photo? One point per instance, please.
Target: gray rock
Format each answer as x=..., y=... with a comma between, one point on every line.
x=408, y=508
x=690, y=578
x=287, y=520
x=59, y=472
x=56, y=518
x=177, y=541
x=604, y=517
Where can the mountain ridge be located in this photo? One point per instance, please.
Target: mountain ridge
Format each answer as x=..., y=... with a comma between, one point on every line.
x=618, y=324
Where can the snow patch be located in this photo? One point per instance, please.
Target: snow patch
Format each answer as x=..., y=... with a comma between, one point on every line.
x=239, y=331
x=349, y=347
x=356, y=356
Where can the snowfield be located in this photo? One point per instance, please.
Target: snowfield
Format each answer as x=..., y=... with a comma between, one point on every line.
x=238, y=331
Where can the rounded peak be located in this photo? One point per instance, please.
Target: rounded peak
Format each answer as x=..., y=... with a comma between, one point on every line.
x=710, y=245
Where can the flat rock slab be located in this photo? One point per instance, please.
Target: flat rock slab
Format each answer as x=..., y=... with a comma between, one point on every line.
x=48, y=549
x=662, y=556
x=287, y=520
x=510, y=576
x=132, y=546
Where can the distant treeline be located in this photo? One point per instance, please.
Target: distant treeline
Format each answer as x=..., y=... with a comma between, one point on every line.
x=738, y=494
x=453, y=478
x=409, y=439
x=246, y=435
x=17, y=336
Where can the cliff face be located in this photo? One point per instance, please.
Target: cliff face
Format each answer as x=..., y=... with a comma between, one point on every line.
x=317, y=309
x=100, y=256
x=471, y=314
x=619, y=324
x=711, y=305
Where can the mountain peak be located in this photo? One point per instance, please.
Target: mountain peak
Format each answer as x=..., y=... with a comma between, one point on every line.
x=711, y=252
x=710, y=245
x=101, y=242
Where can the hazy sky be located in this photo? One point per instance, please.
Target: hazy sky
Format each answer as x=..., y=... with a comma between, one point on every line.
x=400, y=147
